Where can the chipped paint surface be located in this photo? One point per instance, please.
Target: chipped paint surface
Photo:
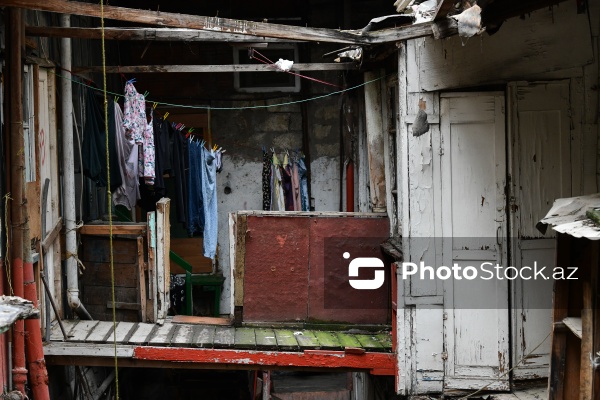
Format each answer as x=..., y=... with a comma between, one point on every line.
x=568, y=216
x=250, y=358
x=538, y=45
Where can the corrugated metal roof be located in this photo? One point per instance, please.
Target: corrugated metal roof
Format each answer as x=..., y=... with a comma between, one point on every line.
x=568, y=216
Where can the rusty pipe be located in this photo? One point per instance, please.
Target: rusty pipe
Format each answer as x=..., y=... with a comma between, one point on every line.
x=35, y=351
x=17, y=169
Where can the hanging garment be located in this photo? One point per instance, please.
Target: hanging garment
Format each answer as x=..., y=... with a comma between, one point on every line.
x=195, y=190
x=93, y=146
x=128, y=193
x=286, y=184
x=115, y=173
x=219, y=160
x=135, y=113
x=147, y=157
x=278, y=203
x=209, y=198
x=266, y=181
x=181, y=172
x=302, y=172
x=162, y=154
x=296, y=188
x=141, y=132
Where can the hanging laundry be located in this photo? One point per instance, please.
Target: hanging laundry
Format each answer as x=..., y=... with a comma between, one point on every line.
x=128, y=193
x=195, y=190
x=209, y=198
x=147, y=155
x=94, y=142
x=140, y=131
x=266, y=180
x=296, y=187
x=115, y=174
x=278, y=201
x=181, y=172
x=286, y=184
x=302, y=172
x=162, y=154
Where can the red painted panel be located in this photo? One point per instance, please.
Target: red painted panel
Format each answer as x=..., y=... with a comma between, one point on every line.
x=276, y=271
x=331, y=298
x=377, y=362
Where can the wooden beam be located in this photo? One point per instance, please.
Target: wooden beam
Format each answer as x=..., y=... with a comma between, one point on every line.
x=136, y=69
x=51, y=237
x=129, y=229
x=157, y=34
x=306, y=359
x=443, y=8
x=224, y=24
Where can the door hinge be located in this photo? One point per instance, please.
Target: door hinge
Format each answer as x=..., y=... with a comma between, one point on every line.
x=445, y=316
x=444, y=356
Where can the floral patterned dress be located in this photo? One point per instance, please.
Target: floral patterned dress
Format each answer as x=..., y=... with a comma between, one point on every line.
x=140, y=131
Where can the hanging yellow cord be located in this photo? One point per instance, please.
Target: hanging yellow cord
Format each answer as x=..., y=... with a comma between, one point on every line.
x=109, y=195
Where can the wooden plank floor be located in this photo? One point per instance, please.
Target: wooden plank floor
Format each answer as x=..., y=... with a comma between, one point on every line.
x=208, y=336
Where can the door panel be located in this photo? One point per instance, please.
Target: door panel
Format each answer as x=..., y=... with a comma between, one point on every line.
x=474, y=229
x=541, y=171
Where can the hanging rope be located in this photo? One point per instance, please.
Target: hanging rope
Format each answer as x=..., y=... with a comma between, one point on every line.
x=109, y=195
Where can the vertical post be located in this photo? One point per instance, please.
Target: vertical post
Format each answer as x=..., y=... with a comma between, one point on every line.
x=68, y=171
x=17, y=169
x=163, y=266
x=374, y=125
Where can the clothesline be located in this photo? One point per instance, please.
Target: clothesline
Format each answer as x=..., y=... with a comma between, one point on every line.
x=286, y=103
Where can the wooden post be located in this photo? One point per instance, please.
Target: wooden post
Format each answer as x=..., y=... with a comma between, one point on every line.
x=163, y=267
x=374, y=127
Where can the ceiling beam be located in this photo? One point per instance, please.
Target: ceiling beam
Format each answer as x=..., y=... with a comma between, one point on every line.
x=224, y=24
x=215, y=68
x=158, y=34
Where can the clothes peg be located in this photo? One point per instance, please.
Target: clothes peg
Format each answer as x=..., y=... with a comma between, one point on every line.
x=182, y=126
x=154, y=105
x=131, y=80
x=166, y=115
x=146, y=93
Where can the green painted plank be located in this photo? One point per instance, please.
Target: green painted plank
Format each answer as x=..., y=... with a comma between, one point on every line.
x=385, y=339
x=286, y=339
x=307, y=340
x=245, y=338
x=369, y=343
x=203, y=336
x=224, y=337
x=347, y=340
x=328, y=340
x=265, y=339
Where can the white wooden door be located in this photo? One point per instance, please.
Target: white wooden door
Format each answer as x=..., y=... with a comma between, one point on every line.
x=473, y=176
x=541, y=172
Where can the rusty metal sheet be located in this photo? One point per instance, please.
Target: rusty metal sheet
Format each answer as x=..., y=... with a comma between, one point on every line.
x=331, y=297
x=276, y=270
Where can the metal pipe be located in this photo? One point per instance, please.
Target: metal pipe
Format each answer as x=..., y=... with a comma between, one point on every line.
x=17, y=168
x=69, y=178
